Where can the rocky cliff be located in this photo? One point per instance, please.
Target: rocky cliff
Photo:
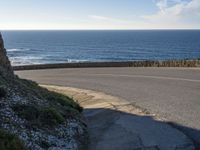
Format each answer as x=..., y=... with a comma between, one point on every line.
x=4, y=62
x=33, y=118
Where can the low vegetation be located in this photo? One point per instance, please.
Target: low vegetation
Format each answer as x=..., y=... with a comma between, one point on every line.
x=62, y=100
x=53, y=97
x=41, y=109
x=3, y=91
x=10, y=141
x=39, y=117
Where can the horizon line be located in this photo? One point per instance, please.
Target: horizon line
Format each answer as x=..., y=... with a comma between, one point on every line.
x=94, y=29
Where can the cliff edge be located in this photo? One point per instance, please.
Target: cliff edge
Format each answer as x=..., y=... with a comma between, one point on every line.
x=4, y=61
x=33, y=118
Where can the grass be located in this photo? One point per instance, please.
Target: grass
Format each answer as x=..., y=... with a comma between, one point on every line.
x=58, y=108
x=50, y=116
x=10, y=142
x=3, y=80
x=3, y=91
x=62, y=100
x=39, y=117
x=52, y=97
x=27, y=112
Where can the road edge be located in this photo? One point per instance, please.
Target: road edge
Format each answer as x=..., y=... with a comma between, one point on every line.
x=86, y=98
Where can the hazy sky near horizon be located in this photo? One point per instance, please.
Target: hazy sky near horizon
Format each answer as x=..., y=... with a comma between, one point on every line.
x=100, y=14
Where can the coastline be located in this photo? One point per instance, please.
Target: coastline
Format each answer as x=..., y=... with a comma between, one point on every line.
x=147, y=63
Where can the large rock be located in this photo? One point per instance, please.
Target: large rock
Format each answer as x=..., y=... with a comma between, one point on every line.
x=4, y=61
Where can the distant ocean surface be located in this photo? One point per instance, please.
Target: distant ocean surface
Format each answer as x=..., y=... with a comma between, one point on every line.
x=44, y=47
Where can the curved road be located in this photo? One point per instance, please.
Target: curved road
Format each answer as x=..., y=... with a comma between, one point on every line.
x=173, y=93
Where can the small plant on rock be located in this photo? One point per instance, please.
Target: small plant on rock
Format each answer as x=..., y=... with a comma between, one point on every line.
x=40, y=117
x=3, y=91
x=10, y=142
x=50, y=117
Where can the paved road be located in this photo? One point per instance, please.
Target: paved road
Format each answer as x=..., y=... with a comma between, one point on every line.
x=173, y=93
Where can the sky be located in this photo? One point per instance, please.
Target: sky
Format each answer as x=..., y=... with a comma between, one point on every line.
x=99, y=14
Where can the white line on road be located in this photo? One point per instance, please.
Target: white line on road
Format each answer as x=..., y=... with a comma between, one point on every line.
x=144, y=76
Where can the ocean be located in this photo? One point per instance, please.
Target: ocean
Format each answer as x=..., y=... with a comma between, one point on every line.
x=46, y=47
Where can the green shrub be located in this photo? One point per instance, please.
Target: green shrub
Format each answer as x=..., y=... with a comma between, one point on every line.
x=2, y=80
x=10, y=142
x=30, y=113
x=3, y=91
x=40, y=117
x=63, y=100
x=50, y=117
x=53, y=97
x=28, y=83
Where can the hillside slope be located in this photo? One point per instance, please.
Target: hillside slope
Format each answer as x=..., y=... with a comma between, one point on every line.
x=34, y=118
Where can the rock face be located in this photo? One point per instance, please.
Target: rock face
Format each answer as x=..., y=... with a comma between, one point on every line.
x=4, y=62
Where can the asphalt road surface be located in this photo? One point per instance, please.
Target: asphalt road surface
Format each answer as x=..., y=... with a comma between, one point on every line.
x=173, y=93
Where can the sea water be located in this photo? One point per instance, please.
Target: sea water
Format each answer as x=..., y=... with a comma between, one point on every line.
x=45, y=47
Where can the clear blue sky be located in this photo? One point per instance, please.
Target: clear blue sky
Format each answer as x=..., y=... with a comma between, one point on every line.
x=99, y=14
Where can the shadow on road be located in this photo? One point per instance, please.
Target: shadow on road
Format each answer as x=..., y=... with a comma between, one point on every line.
x=116, y=130
x=194, y=134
